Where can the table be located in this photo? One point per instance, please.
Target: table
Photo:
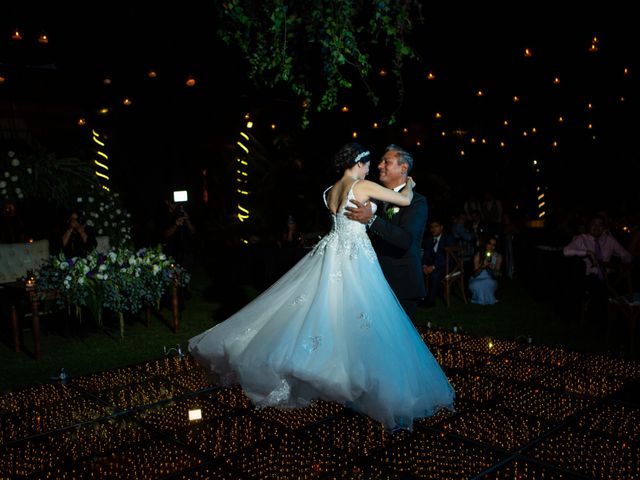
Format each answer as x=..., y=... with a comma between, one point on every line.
x=17, y=291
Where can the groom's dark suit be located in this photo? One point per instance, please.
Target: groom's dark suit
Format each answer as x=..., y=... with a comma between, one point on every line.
x=397, y=240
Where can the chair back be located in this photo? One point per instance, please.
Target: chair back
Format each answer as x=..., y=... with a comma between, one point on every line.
x=103, y=244
x=454, y=272
x=454, y=263
x=16, y=259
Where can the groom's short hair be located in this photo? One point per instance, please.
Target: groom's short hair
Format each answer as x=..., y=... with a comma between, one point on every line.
x=404, y=157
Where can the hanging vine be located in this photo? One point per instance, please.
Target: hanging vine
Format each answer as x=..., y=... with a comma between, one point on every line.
x=311, y=47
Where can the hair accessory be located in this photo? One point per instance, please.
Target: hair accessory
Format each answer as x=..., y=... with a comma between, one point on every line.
x=361, y=156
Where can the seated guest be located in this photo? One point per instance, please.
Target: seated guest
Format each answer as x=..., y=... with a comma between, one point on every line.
x=596, y=248
x=79, y=238
x=487, y=263
x=434, y=260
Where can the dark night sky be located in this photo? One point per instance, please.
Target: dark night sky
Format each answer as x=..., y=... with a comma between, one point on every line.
x=467, y=49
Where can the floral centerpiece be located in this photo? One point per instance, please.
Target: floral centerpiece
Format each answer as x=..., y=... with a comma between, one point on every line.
x=122, y=280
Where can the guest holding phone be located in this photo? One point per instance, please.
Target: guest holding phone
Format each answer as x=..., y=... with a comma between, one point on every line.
x=487, y=264
x=79, y=238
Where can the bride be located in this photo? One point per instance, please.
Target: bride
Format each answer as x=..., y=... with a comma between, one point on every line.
x=331, y=328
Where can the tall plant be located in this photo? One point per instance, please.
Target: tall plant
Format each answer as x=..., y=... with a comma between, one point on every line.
x=38, y=173
x=297, y=42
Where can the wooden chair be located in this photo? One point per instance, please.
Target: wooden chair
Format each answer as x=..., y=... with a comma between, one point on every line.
x=454, y=273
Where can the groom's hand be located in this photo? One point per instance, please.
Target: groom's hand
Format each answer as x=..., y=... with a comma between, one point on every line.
x=360, y=213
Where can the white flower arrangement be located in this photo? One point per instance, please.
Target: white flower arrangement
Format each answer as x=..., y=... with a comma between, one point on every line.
x=120, y=281
x=104, y=212
x=17, y=177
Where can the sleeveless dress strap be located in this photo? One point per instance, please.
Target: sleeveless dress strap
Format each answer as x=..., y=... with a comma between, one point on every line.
x=350, y=195
x=324, y=196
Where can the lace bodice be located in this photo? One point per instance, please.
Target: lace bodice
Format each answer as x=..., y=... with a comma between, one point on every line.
x=347, y=235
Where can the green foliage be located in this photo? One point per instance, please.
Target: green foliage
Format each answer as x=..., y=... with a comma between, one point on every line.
x=299, y=44
x=41, y=174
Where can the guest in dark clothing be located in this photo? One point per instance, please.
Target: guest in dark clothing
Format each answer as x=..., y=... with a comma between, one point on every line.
x=79, y=239
x=179, y=236
x=11, y=227
x=434, y=260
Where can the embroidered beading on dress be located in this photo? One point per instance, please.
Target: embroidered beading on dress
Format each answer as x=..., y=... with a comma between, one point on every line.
x=278, y=396
x=312, y=344
x=298, y=300
x=336, y=276
x=365, y=322
x=348, y=238
x=244, y=334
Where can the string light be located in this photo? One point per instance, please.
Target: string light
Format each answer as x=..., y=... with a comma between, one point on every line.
x=102, y=159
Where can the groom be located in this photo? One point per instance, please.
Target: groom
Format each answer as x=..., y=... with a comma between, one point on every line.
x=396, y=232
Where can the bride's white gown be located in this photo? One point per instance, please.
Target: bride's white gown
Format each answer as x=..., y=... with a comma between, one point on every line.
x=331, y=328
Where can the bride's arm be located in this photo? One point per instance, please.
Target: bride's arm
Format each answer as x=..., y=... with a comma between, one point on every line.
x=378, y=192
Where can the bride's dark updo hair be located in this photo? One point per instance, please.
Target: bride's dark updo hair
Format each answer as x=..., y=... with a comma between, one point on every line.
x=349, y=155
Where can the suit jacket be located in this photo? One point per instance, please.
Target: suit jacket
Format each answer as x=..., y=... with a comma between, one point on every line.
x=439, y=257
x=397, y=242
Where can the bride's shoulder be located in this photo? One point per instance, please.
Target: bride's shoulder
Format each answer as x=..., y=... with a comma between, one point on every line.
x=363, y=183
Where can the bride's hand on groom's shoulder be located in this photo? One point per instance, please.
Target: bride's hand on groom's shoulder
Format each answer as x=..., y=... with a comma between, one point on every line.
x=411, y=182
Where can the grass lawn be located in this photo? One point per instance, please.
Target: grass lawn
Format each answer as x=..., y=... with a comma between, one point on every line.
x=516, y=316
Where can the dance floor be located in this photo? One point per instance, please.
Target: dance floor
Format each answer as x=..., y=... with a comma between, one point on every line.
x=523, y=411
